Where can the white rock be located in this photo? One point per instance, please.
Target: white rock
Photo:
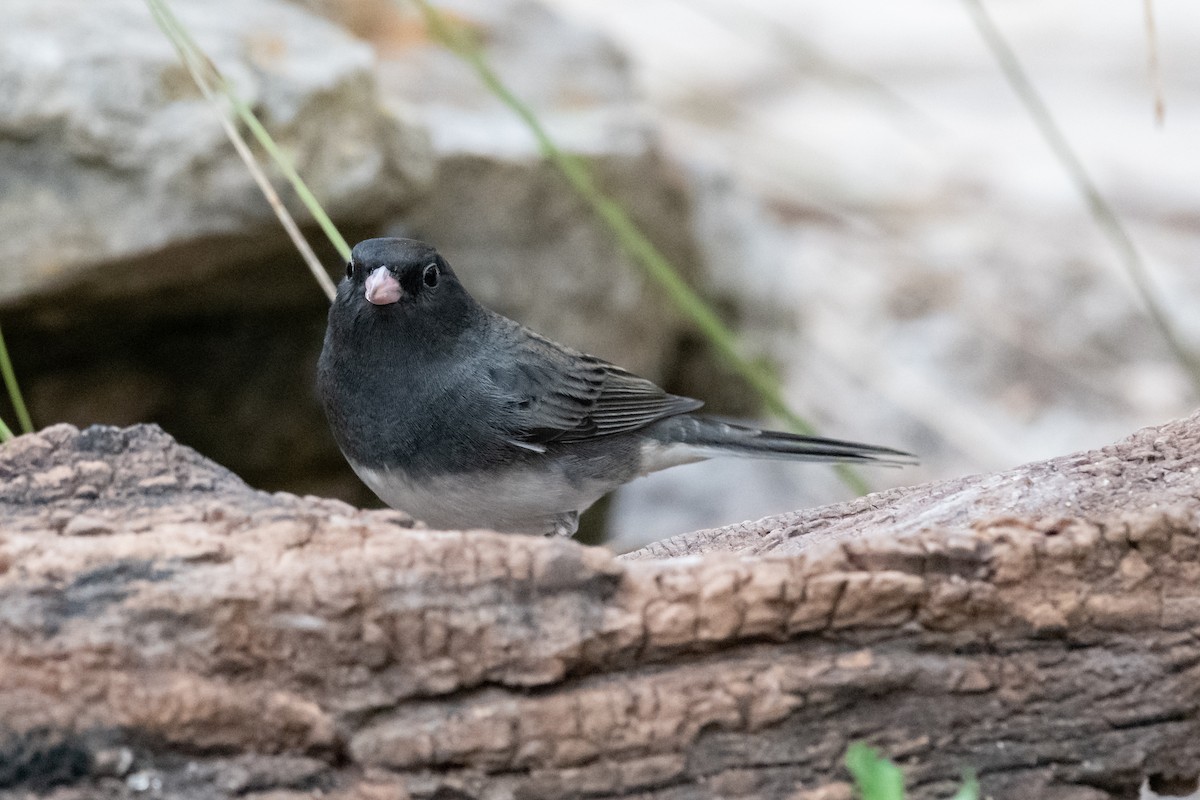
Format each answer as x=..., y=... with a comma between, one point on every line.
x=109, y=153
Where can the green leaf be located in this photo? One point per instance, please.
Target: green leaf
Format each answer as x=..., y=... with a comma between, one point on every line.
x=970, y=787
x=875, y=776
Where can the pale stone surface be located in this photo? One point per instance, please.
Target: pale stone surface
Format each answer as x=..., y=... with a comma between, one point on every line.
x=108, y=153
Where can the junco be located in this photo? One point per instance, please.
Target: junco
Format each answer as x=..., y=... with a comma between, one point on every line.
x=466, y=419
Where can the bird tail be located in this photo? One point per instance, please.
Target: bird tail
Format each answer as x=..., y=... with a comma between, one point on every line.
x=706, y=437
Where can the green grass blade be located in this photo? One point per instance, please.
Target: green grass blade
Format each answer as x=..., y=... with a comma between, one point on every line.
x=14, y=394
x=204, y=72
x=285, y=166
x=875, y=777
x=657, y=266
x=5, y=432
x=969, y=789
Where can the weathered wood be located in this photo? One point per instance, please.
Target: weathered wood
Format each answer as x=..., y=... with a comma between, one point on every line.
x=1155, y=467
x=166, y=629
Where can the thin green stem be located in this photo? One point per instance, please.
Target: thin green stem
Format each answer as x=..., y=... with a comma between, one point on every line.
x=203, y=71
x=5, y=432
x=14, y=392
x=285, y=165
x=630, y=236
x=1101, y=211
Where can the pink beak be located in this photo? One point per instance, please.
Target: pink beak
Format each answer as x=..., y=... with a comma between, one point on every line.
x=383, y=288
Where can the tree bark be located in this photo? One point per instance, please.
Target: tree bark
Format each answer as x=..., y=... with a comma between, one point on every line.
x=167, y=631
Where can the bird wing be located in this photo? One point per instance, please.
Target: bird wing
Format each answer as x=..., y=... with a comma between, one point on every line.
x=552, y=393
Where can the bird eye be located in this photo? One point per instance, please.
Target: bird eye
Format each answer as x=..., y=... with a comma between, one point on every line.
x=350, y=269
x=430, y=276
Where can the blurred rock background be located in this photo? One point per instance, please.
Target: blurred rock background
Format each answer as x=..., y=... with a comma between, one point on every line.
x=855, y=188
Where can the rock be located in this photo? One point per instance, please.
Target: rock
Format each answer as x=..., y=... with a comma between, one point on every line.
x=116, y=175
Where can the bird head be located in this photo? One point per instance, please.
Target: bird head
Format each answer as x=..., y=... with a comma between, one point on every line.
x=386, y=272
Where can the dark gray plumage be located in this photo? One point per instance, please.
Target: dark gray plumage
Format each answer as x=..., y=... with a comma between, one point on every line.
x=466, y=419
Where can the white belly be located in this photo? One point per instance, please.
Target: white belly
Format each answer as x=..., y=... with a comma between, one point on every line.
x=516, y=500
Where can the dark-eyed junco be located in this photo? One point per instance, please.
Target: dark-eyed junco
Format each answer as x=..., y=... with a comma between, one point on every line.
x=466, y=419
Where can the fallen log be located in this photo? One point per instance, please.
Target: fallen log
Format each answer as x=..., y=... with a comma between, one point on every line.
x=167, y=631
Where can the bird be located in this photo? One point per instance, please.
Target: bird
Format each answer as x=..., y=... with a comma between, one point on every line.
x=466, y=419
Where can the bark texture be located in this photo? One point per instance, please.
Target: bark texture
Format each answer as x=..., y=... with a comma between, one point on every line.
x=167, y=631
